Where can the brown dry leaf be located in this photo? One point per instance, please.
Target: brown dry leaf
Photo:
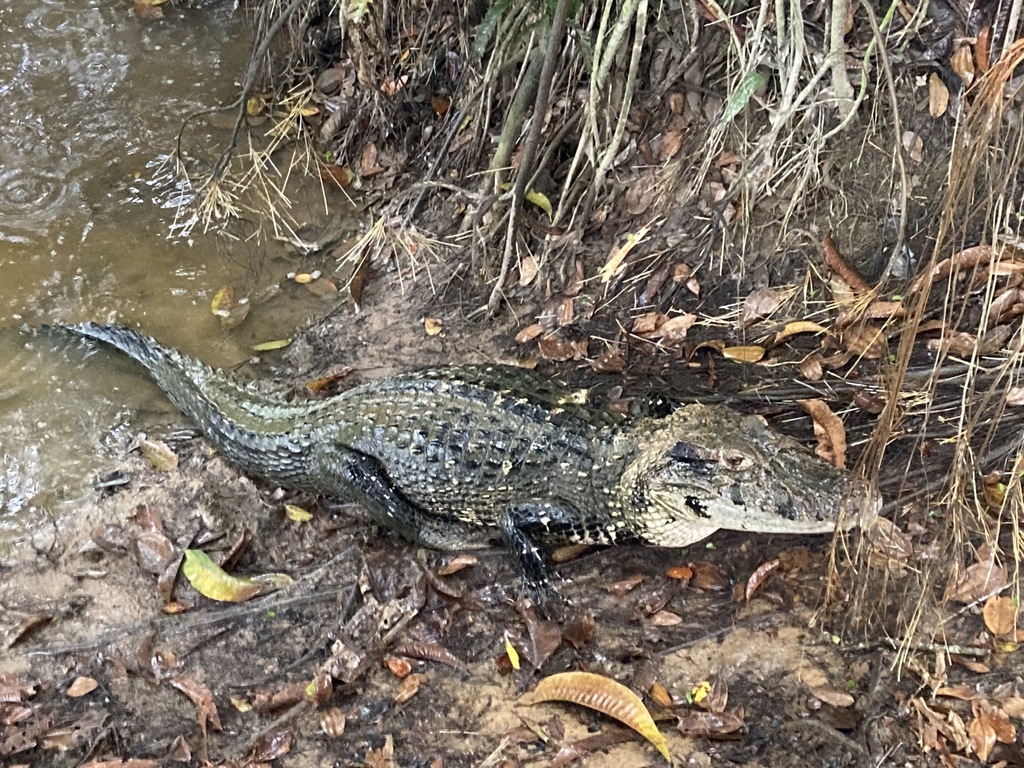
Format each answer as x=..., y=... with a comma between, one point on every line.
x=368, y=161
x=660, y=695
x=938, y=95
x=709, y=577
x=432, y=326
x=797, y=327
x=648, y=323
x=332, y=722
x=145, y=11
x=556, y=348
x=383, y=757
x=693, y=286
x=962, y=62
x=888, y=545
x=544, y=639
x=202, y=698
x=158, y=453
x=758, y=577
x=603, y=695
x=680, y=572
x=322, y=288
x=568, y=552
x=866, y=340
x=811, y=367
x=835, y=697
x=829, y=430
x=914, y=145
x=759, y=304
x=529, y=333
x=703, y=724
x=962, y=692
x=979, y=580
x=674, y=330
x=399, y=667
x=528, y=269
x=1000, y=614
x=883, y=310
x=664, y=619
x=641, y=193
x=270, y=746
x=1015, y=396
x=456, y=564
x=982, y=738
x=429, y=651
x=81, y=686
x=841, y=268
x=340, y=175
x=625, y=586
x=950, y=725
x=609, y=361
x=744, y=354
x=408, y=688
x=153, y=551
x=671, y=143
x=580, y=630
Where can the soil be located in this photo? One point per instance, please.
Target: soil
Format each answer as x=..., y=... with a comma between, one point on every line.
x=360, y=595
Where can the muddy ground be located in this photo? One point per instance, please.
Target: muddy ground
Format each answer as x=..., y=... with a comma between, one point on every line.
x=419, y=660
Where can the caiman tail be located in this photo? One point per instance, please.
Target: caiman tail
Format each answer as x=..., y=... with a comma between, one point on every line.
x=264, y=436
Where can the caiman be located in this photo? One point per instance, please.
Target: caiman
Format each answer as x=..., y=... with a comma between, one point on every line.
x=455, y=458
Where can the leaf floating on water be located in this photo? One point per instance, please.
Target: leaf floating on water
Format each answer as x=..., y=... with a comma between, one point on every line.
x=210, y=580
x=223, y=301
x=605, y=696
x=158, y=453
x=270, y=346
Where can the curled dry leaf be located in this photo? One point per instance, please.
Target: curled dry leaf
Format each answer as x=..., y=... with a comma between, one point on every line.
x=603, y=695
x=1000, y=614
x=829, y=430
x=841, y=268
x=529, y=333
x=744, y=354
x=983, y=578
x=811, y=367
x=758, y=577
x=202, y=698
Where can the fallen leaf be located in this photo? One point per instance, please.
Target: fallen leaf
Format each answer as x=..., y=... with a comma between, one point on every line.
x=456, y=564
x=541, y=201
x=1000, y=615
x=829, y=430
x=297, y=514
x=202, y=698
x=529, y=333
x=841, y=268
x=664, y=619
x=332, y=722
x=399, y=667
x=835, y=697
x=603, y=695
x=744, y=354
x=158, y=453
x=938, y=95
x=528, y=269
x=210, y=580
x=758, y=577
x=759, y=304
x=614, y=265
x=709, y=577
x=81, y=686
x=580, y=630
x=978, y=580
x=432, y=326
x=270, y=346
x=625, y=586
x=701, y=724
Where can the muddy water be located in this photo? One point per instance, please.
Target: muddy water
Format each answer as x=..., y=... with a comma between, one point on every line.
x=91, y=99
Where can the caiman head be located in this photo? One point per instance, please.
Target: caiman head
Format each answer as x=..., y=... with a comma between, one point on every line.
x=705, y=467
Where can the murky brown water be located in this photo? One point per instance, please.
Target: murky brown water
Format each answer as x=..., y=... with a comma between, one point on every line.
x=91, y=99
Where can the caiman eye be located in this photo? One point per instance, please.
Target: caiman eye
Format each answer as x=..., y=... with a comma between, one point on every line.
x=736, y=461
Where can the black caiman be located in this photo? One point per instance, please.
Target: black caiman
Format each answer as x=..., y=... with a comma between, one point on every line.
x=455, y=458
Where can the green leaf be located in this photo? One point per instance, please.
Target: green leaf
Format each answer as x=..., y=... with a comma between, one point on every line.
x=541, y=201
x=269, y=346
x=738, y=100
x=212, y=581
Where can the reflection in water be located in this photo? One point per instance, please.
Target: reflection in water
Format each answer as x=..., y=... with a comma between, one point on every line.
x=92, y=100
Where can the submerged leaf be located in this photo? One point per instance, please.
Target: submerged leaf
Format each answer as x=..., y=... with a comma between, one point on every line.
x=603, y=695
x=269, y=346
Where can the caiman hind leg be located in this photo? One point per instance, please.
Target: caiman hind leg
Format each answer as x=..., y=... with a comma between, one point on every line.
x=361, y=479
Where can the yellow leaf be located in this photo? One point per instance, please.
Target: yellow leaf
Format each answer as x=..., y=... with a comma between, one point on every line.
x=798, y=327
x=253, y=106
x=605, y=696
x=297, y=514
x=513, y=654
x=303, y=278
x=223, y=301
x=614, y=263
x=212, y=581
x=269, y=346
x=541, y=201
x=432, y=326
x=747, y=354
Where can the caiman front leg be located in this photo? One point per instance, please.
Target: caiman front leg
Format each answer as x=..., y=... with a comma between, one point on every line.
x=361, y=479
x=525, y=523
